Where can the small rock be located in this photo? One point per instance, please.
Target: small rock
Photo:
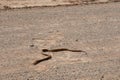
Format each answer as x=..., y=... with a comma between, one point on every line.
x=32, y=45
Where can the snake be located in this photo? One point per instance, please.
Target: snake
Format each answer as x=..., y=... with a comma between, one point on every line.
x=54, y=50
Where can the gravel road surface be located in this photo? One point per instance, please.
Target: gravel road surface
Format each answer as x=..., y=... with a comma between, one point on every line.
x=92, y=28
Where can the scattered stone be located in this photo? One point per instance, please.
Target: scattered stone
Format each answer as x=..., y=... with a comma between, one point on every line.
x=32, y=45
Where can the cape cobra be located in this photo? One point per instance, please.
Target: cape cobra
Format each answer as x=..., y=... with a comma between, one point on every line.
x=54, y=50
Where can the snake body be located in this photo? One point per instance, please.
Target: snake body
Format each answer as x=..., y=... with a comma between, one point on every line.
x=44, y=59
x=54, y=50
x=62, y=49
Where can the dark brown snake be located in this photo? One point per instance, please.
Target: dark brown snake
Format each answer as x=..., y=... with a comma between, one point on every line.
x=54, y=50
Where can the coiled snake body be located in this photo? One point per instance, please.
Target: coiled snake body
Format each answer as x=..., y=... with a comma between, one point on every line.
x=54, y=50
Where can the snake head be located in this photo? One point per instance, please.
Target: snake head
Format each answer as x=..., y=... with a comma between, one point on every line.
x=45, y=50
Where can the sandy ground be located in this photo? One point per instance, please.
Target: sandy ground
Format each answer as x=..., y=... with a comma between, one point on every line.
x=92, y=28
x=8, y=4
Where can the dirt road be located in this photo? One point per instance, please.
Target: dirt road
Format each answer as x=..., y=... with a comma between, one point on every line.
x=92, y=28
